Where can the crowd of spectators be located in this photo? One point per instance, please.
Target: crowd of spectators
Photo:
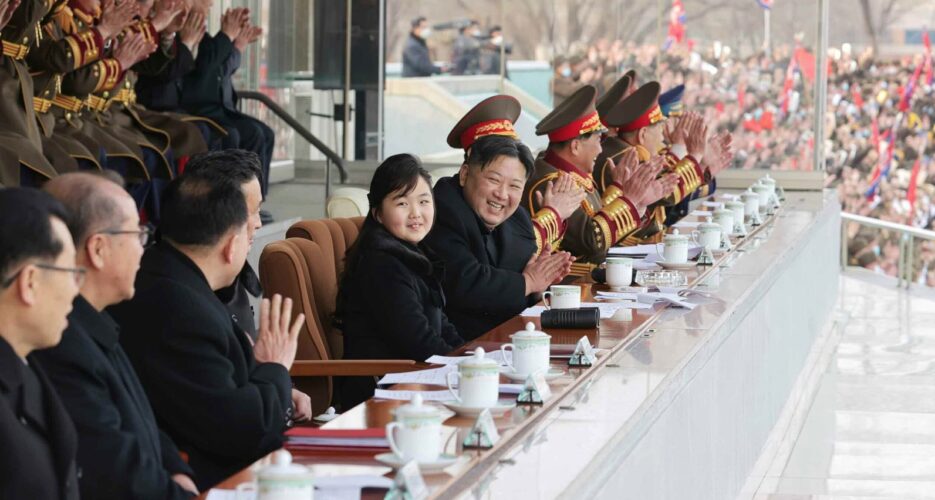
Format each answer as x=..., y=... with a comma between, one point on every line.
x=767, y=102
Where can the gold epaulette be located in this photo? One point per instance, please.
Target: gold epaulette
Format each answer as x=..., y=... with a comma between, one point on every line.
x=15, y=50
x=40, y=105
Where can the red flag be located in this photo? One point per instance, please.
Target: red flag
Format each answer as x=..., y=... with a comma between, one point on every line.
x=913, y=179
x=875, y=134
x=676, y=25
x=741, y=94
x=806, y=62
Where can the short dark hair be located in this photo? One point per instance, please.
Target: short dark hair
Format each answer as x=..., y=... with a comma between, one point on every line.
x=89, y=208
x=401, y=171
x=200, y=209
x=26, y=227
x=417, y=21
x=239, y=165
x=487, y=149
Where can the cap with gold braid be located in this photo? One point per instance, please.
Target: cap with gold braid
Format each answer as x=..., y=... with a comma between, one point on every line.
x=616, y=93
x=574, y=117
x=640, y=109
x=492, y=116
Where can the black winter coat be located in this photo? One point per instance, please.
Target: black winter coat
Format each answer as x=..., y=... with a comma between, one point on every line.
x=483, y=269
x=391, y=304
x=416, y=58
x=117, y=432
x=198, y=369
x=37, y=438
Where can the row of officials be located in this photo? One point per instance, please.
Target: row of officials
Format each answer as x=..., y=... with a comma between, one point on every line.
x=126, y=373
x=131, y=86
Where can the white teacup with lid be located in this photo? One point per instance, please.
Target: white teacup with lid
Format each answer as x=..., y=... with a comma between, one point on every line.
x=738, y=208
x=674, y=248
x=725, y=218
x=708, y=235
x=765, y=193
x=478, y=381
x=281, y=480
x=751, y=202
x=768, y=182
x=530, y=351
x=416, y=434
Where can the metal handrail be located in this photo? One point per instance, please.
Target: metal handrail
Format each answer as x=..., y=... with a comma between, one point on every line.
x=303, y=132
x=906, y=248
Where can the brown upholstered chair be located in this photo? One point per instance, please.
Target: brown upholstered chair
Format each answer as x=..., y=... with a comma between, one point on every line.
x=336, y=234
x=301, y=269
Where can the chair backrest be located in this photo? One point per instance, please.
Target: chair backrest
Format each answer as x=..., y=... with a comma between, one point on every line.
x=347, y=202
x=324, y=283
x=338, y=234
x=284, y=270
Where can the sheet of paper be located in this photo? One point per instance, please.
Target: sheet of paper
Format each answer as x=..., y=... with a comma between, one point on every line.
x=633, y=250
x=701, y=213
x=684, y=224
x=454, y=360
x=607, y=309
x=618, y=295
x=729, y=196
x=712, y=204
x=445, y=395
x=511, y=388
x=326, y=487
x=671, y=298
x=434, y=376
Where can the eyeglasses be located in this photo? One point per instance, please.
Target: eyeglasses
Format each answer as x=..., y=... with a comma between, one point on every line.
x=145, y=234
x=79, y=273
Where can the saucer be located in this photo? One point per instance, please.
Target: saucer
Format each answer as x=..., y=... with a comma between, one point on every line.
x=678, y=266
x=473, y=411
x=436, y=466
x=553, y=373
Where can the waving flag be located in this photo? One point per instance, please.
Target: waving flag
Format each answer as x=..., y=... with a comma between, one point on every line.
x=676, y=25
x=766, y=4
x=883, y=169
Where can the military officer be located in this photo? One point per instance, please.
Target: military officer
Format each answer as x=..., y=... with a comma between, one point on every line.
x=23, y=163
x=574, y=130
x=640, y=124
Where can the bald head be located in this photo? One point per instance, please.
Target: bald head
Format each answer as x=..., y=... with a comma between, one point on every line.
x=95, y=201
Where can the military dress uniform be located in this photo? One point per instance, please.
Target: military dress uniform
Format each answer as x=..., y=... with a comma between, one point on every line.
x=602, y=221
x=57, y=55
x=22, y=162
x=640, y=110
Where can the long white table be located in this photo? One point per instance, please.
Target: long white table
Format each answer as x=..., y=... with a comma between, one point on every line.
x=684, y=411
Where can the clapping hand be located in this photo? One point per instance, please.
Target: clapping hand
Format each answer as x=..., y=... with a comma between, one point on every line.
x=564, y=196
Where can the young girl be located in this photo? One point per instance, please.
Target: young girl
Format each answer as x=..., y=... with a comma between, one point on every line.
x=391, y=304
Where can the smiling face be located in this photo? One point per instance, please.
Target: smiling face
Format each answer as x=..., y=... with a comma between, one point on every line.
x=494, y=191
x=408, y=216
x=585, y=151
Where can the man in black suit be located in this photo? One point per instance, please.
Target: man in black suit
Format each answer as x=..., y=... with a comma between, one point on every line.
x=38, y=281
x=498, y=257
x=117, y=432
x=209, y=90
x=225, y=402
